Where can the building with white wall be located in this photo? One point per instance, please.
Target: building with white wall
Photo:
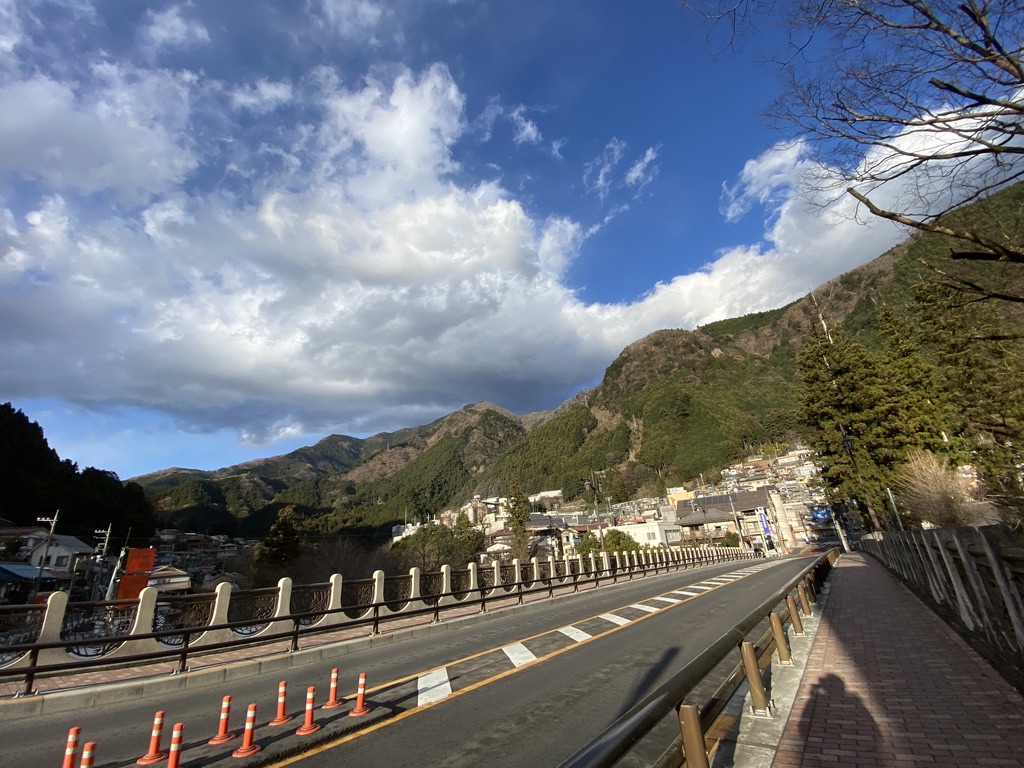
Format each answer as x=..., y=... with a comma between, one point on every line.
x=654, y=533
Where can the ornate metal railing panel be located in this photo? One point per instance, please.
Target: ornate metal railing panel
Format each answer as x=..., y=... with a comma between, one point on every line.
x=460, y=583
x=396, y=591
x=356, y=592
x=182, y=612
x=311, y=597
x=526, y=573
x=19, y=624
x=508, y=574
x=485, y=577
x=257, y=605
x=87, y=629
x=90, y=625
x=431, y=585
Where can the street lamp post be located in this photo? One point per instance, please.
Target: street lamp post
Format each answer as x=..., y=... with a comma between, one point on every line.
x=848, y=447
x=839, y=530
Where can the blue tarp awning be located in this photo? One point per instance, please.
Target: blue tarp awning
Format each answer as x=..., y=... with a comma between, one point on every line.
x=24, y=573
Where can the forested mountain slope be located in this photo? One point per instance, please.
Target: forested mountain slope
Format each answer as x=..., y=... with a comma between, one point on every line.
x=671, y=406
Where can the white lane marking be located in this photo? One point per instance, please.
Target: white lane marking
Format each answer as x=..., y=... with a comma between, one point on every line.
x=684, y=592
x=667, y=599
x=519, y=654
x=433, y=686
x=576, y=634
x=614, y=619
x=642, y=607
x=702, y=587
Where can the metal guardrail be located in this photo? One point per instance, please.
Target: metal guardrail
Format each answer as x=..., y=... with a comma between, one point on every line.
x=622, y=735
x=177, y=642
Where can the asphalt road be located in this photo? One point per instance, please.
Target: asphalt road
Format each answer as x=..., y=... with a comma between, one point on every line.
x=527, y=687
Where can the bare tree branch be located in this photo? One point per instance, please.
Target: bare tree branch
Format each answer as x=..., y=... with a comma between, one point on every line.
x=912, y=106
x=998, y=250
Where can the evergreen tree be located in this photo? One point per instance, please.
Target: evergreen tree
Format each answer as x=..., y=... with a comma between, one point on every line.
x=839, y=391
x=283, y=542
x=35, y=482
x=982, y=366
x=467, y=542
x=614, y=541
x=868, y=410
x=519, y=513
x=916, y=399
x=435, y=544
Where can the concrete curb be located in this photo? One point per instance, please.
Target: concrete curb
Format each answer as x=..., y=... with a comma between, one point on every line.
x=753, y=739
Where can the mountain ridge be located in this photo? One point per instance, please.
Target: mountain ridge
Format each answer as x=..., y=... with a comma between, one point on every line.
x=671, y=406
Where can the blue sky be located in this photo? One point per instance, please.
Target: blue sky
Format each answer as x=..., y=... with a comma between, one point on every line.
x=230, y=229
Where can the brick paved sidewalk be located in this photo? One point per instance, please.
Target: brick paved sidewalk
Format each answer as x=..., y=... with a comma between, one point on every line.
x=888, y=683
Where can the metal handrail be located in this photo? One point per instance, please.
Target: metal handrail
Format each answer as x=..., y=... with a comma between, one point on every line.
x=623, y=734
x=371, y=616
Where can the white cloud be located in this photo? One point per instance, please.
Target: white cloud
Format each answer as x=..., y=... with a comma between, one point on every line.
x=484, y=123
x=392, y=138
x=597, y=174
x=170, y=29
x=809, y=240
x=355, y=274
x=764, y=178
x=525, y=130
x=124, y=137
x=364, y=282
x=10, y=28
x=643, y=171
x=351, y=19
x=262, y=96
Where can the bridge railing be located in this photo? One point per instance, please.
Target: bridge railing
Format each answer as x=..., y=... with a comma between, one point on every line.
x=616, y=741
x=973, y=577
x=72, y=638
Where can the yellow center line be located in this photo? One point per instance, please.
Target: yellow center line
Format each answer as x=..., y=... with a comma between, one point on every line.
x=487, y=681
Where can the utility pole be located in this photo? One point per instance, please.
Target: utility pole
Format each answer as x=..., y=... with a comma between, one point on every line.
x=106, y=538
x=739, y=527
x=100, y=558
x=46, y=552
x=112, y=586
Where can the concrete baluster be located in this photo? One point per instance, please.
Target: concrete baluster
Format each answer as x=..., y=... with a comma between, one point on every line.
x=446, y=586
x=219, y=615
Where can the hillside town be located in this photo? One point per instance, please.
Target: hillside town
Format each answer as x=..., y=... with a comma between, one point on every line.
x=767, y=504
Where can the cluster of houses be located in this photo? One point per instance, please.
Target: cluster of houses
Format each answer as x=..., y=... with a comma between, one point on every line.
x=766, y=503
x=35, y=561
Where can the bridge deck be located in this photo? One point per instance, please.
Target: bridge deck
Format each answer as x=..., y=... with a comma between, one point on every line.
x=888, y=683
